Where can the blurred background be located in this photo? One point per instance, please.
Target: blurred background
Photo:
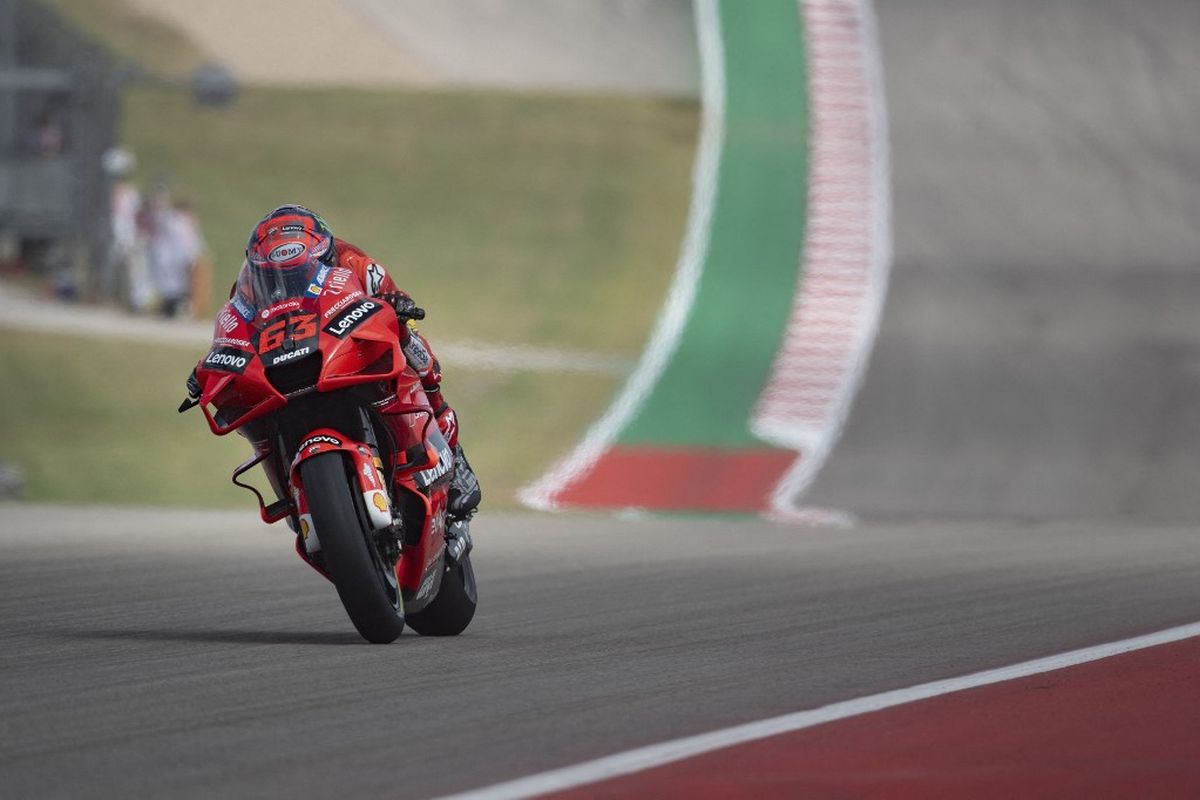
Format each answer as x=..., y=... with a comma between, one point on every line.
x=523, y=170
x=1021, y=454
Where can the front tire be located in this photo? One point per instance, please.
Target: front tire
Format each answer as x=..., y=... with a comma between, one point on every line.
x=365, y=583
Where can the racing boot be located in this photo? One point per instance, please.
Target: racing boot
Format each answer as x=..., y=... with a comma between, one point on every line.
x=464, y=488
x=464, y=497
x=464, y=493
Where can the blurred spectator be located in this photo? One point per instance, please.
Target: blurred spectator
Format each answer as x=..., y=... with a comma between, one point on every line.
x=173, y=247
x=201, y=268
x=126, y=263
x=46, y=138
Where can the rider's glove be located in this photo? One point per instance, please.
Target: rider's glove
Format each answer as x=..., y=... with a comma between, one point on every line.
x=193, y=386
x=406, y=308
x=193, y=390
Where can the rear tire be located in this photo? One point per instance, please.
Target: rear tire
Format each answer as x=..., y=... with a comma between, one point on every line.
x=365, y=583
x=451, y=611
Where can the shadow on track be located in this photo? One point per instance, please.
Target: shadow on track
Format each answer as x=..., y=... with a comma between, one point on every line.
x=219, y=636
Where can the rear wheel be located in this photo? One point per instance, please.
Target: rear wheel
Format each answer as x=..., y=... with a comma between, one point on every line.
x=365, y=582
x=451, y=611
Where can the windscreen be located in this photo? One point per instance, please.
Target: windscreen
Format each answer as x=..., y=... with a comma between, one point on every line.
x=263, y=285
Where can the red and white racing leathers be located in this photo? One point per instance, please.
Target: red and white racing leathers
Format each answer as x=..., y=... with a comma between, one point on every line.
x=417, y=351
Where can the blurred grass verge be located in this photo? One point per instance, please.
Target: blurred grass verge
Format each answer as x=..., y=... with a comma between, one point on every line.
x=95, y=422
x=512, y=218
x=527, y=219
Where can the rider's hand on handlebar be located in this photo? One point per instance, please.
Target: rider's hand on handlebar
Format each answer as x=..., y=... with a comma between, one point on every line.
x=406, y=308
x=193, y=390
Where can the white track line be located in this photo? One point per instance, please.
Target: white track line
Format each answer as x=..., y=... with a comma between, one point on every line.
x=26, y=311
x=657, y=755
x=847, y=251
x=542, y=493
x=526, y=358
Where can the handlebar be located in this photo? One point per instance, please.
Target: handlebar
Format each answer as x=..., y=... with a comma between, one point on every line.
x=403, y=305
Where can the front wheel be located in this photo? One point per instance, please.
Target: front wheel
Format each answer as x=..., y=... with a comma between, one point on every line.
x=451, y=611
x=365, y=582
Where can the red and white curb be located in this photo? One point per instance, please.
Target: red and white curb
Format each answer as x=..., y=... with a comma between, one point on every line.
x=644, y=758
x=847, y=248
x=846, y=258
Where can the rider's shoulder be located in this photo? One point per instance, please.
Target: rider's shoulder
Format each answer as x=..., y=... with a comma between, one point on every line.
x=349, y=255
x=369, y=271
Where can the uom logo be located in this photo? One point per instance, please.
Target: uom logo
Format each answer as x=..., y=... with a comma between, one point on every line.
x=285, y=252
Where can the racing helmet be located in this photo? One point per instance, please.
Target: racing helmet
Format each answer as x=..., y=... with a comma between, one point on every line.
x=285, y=251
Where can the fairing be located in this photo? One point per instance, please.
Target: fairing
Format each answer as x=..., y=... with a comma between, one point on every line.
x=307, y=345
x=328, y=336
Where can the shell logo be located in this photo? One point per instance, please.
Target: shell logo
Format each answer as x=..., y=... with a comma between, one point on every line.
x=303, y=528
x=380, y=501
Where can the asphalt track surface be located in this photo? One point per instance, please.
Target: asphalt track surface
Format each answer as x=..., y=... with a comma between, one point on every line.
x=192, y=654
x=1039, y=354
x=1022, y=451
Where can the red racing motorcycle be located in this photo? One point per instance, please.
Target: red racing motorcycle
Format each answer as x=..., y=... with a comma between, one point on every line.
x=317, y=381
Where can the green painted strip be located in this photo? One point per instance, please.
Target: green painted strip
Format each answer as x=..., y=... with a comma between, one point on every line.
x=708, y=390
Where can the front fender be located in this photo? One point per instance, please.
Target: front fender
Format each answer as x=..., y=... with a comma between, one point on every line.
x=366, y=470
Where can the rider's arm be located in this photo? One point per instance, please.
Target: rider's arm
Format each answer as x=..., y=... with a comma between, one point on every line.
x=379, y=283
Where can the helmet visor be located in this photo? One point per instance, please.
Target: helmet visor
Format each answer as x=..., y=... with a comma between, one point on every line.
x=265, y=284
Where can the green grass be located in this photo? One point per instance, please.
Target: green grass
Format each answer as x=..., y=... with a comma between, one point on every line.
x=95, y=421
x=537, y=219
x=519, y=218
x=513, y=218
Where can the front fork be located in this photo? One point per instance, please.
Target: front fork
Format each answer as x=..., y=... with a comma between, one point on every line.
x=419, y=553
x=292, y=502
x=368, y=473
x=420, y=556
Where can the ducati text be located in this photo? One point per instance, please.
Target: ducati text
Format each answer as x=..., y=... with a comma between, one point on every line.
x=292, y=356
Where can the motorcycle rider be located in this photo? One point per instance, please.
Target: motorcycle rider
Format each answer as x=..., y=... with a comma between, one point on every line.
x=281, y=248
